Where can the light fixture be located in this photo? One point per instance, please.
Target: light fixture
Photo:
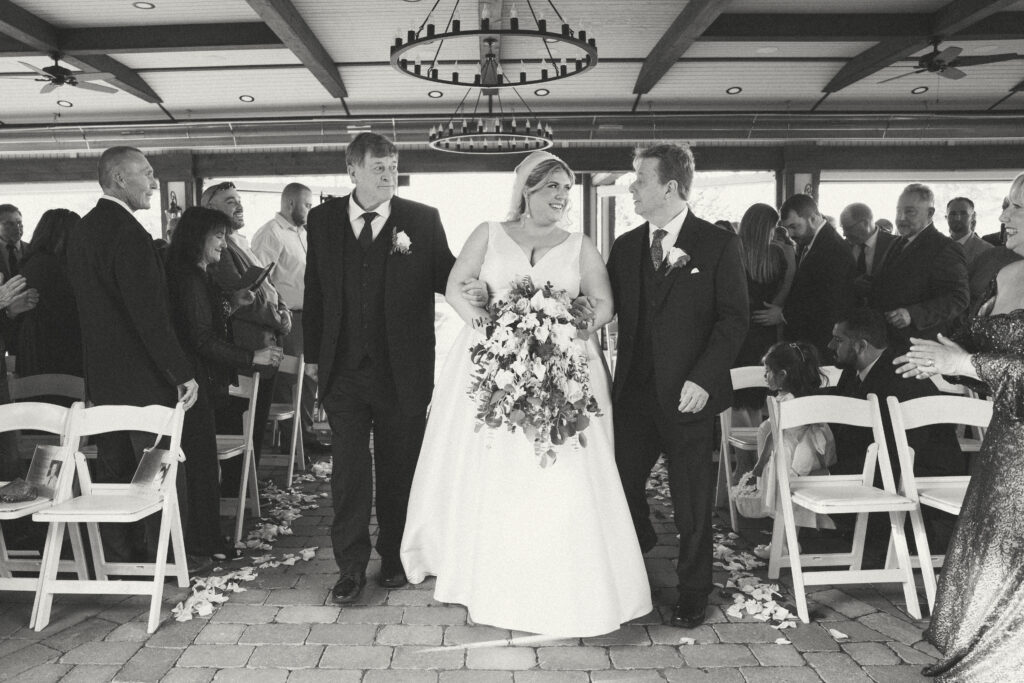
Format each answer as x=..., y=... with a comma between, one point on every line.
x=484, y=132
x=919, y=90
x=64, y=103
x=734, y=90
x=541, y=92
x=417, y=51
x=247, y=98
x=143, y=5
x=435, y=94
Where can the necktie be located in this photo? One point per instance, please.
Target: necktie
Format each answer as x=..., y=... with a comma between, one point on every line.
x=657, y=252
x=366, y=235
x=862, y=260
x=12, y=259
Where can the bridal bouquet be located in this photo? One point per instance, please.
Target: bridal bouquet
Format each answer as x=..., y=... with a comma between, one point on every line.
x=529, y=373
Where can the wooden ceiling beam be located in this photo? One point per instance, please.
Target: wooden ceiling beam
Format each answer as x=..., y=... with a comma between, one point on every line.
x=284, y=20
x=687, y=28
x=951, y=19
x=254, y=35
x=27, y=28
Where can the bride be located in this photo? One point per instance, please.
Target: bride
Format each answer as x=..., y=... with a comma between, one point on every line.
x=543, y=550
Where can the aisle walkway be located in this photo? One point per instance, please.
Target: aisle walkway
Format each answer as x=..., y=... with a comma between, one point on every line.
x=283, y=628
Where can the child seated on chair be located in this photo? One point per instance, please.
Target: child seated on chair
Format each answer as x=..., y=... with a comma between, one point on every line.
x=792, y=370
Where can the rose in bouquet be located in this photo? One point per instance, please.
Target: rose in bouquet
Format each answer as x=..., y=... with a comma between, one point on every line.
x=529, y=373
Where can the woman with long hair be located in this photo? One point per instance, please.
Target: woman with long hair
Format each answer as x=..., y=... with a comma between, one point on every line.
x=769, y=274
x=200, y=312
x=49, y=338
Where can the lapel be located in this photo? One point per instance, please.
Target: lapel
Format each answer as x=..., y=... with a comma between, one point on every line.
x=819, y=246
x=922, y=237
x=687, y=240
x=391, y=265
x=334, y=235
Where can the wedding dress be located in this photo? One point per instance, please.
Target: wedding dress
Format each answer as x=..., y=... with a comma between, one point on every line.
x=544, y=550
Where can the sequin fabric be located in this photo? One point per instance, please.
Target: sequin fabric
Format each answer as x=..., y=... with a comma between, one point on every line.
x=978, y=622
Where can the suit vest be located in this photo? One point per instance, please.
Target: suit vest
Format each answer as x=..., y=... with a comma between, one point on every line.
x=651, y=283
x=362, y=323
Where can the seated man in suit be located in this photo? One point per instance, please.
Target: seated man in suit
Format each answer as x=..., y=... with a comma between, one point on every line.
x=921, y=286
x=861, y=349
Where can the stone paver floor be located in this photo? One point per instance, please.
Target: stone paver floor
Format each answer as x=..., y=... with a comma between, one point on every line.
x=283, y=628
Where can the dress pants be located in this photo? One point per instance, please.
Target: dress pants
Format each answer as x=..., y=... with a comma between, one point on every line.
x=228, y=420
x=643, y=431
x=117, y=457
x=358, y=402
x=202, y=475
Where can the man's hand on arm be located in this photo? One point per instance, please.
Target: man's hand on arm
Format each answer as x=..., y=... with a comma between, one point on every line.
x=475, y=292
x=188, y=393
x=769, y=315
x=692, y=398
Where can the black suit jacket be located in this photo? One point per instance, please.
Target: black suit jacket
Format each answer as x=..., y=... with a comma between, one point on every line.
x=822, y=290
x=5, y=266
x=700, y=321
x=938, y=451
x=131, y=353
x=410, y=281
x=929, y=279
x=862, y=283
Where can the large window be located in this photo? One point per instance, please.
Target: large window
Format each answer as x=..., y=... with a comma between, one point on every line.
x=35, y=198
x=881, y=191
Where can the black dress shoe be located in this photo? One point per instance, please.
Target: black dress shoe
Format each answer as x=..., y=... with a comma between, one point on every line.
x=348, y=588
x=198, y=564
x=392, y=575
x=688, y=615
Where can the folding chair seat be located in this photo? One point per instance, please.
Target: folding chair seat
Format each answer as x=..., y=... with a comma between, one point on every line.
x=151, y=491
x=831, y=495
x=240, y=445
x=942, y=493
x=52, y=473
x=282, y=412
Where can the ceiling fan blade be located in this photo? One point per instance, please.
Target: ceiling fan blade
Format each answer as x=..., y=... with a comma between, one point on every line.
x=48, y=87
x=947, y=55
x=953, y=73
x=35, y=68
x=909, y=73
x=91, y=75
x=85, y=85
x=986, y=59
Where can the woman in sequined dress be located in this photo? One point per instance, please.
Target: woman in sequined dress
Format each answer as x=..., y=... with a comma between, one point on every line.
x=978, y=622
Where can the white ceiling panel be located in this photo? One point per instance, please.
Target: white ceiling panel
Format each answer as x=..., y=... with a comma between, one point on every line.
x=770, y=84
x=775, y=50
x=836, y=6
x=274, y=91
x=82, y=13
x=224, y=58
x=23, y=103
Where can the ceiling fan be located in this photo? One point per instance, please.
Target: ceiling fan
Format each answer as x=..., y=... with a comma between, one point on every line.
x=947, y=62
x=57, y=75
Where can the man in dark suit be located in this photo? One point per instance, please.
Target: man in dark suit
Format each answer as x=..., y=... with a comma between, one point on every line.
x=822, y=290
x=867, y=243
x=373, y=266
x=12, y=248
x=921, y=287
x=131, y=352
x=860, y=347
x=681, y=297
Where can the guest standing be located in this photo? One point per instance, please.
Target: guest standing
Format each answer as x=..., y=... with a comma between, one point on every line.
x=49, y=337
x=200, y=312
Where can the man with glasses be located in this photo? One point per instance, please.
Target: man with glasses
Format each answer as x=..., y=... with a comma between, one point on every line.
x=265, y=322
x=962, y=221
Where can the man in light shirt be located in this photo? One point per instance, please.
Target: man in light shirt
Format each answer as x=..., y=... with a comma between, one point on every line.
x=282, y=240
x=962, y=221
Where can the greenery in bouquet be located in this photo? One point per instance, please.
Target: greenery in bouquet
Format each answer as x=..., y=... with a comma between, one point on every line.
x=529, y=371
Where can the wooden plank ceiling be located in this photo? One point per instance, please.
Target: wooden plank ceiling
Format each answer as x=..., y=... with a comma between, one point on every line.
x=315, y=71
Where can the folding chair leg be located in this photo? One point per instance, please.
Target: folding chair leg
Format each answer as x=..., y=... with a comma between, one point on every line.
x=300, y=451
x=860, y=530
x=47, y=575
x=776, y=546
x=78, y=550
x=5, y=573
x=725, y=471
x=248, y=494
x=99, y=559
x=294, y=451
x=160, y=568
x=180, y=566
x=924, y=555
x=903, y=557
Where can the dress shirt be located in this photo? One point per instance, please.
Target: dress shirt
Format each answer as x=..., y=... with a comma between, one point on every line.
x=869, y=251
x=17, y=250
x=671, y=229
x=355, y=216
x=280, y=242
x=802, y=254
x=118, y=202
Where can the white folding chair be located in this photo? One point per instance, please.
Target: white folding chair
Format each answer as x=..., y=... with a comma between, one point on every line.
x=942, y=493
x=52, y=473
x=282, y=412
x=151, y=491
x=240, y=445
x=968, y=444
x=837, y=494
x=738, y=438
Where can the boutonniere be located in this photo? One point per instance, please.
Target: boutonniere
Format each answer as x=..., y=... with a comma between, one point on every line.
x=677, y=258
x=400, y=242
